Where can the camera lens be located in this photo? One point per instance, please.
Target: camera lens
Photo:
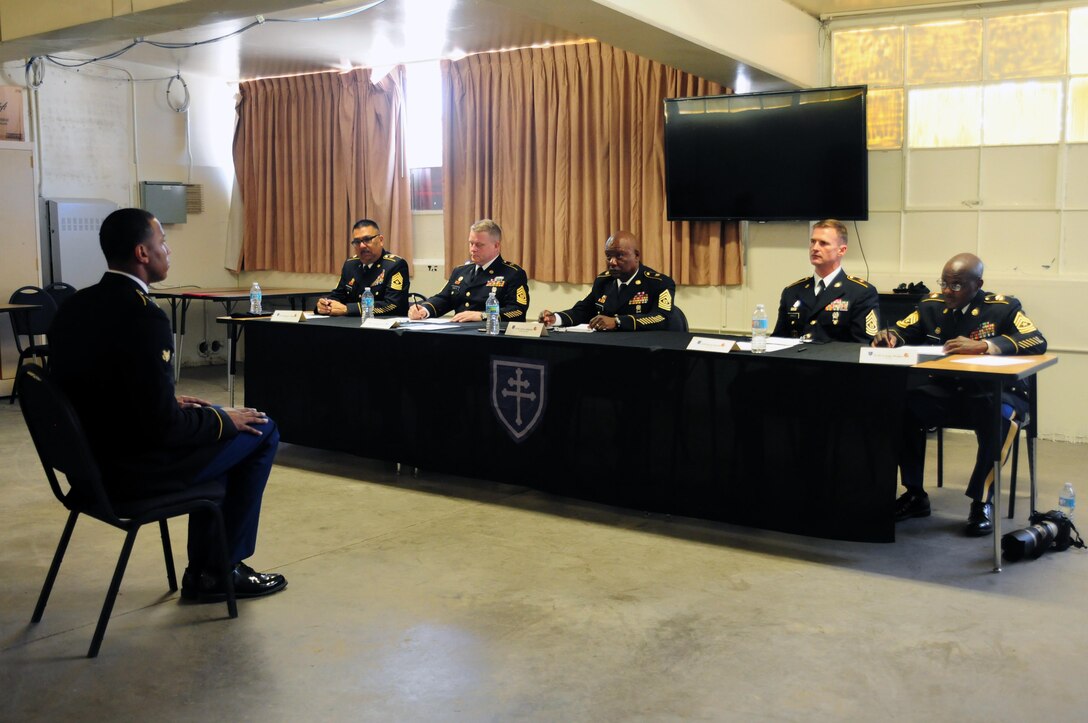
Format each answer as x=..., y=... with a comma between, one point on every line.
x=1030, y=542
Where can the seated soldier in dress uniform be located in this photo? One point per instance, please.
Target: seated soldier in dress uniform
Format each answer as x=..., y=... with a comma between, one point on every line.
x=626, y=297
x=386, y=275
x=964, y=319
x=829, y=305
x=469, y=285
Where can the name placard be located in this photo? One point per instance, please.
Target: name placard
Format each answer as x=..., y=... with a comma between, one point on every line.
x=288, y=316
x=706, y=343
x=526, y=328
x=375, y=323
x=900, y=356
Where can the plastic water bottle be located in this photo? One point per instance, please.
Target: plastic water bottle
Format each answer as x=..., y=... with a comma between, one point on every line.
x=368, y=304
x=491, y=311
x=1067, y=500
x=255, y=298
x=759, y=330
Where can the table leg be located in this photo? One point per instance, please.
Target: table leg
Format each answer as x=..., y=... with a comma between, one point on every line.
x=997, y=476
x=234, y=332
x=228, y=306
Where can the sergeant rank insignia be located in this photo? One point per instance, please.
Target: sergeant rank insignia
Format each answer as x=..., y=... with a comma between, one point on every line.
x=664, y=300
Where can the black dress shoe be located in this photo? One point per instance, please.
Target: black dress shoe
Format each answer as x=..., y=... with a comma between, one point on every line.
x=911, y=504
x=206, y=587
x=981, y=520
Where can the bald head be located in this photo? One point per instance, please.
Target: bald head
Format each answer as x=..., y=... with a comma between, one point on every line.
x=961, y=280
x=622, y=253
x=967, y=265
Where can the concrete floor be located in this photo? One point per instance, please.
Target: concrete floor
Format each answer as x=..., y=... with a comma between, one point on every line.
x=434, y=598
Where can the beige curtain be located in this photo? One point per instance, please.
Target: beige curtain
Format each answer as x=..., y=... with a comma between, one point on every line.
x=312, y=154
x=563, y=146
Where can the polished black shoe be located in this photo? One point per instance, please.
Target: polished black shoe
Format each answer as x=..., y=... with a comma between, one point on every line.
x=205, y=587
x=980, y=521
x=911, y=504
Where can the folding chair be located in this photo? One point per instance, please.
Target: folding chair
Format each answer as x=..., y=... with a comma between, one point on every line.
x=62, y=447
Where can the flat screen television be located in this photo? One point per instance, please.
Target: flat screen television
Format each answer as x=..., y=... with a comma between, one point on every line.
x=781, y=156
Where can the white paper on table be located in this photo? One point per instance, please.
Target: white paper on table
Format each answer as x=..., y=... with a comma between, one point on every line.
x=922, y=349
x=578, y=328
x=989, y=361
x=774, y=343
x=308, y=315
x=430, y=320
x=431, y=325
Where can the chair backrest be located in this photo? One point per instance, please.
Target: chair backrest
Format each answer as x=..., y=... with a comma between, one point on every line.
x=36, y=322
x=60, y=292
x=61, y=442
x=679, y=320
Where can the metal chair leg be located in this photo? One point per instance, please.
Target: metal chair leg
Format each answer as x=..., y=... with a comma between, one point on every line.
x=1012, y=474
x=111, y=594
x=54, y=567
x=168, y=553
x=232, y=603
x=940, y=456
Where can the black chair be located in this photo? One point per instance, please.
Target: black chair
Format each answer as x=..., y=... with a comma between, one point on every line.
x=60, y=291
x=1026, y=424
x=62, y=447
x=678, y=321
x=30, y=326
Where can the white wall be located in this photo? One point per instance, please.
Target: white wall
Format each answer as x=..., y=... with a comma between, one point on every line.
x=900, y=244
x=98, y=135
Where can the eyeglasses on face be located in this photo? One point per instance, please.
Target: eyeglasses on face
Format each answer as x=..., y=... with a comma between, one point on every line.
x=365, y=239
x=955, y=287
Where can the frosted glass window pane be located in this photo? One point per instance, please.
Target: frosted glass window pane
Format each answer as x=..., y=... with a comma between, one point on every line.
x=944, y=52
x=1019, y=113
x=1078, y=41
x=944, y=117
x=1022, y=46
x=871, y=56
x=1077, y=123
x=884, y=118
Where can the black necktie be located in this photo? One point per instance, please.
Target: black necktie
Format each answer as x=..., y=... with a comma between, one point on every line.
x=819, y=287
x=475, y=270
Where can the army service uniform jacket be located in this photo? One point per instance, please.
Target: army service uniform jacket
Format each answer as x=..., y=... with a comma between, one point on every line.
x=111, y=351
x=463, y=292
x=991, y=317
x=388, y=281
x=847, y=310
x=643, y=304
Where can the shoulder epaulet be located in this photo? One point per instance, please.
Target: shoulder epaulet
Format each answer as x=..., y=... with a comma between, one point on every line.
x=391, y=257
x=799, y=281
x=996, y=299
x=603, y=274
x=354, y=258
x=935, y=296
x=859, y=282
x=651, y=274
x=513, y=265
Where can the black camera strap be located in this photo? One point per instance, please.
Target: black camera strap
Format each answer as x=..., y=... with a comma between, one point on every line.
x=1074, y=536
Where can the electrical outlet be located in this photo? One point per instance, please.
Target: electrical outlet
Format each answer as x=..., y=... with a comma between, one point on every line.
x=216, y=346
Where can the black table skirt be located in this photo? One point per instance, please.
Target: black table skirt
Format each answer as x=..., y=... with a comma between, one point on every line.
x=804, y=440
